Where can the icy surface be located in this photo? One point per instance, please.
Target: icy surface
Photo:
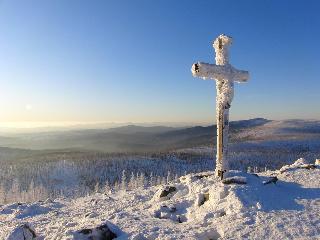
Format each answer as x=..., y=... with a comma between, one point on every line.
x=225, y=75
x=200, y=207
x=223, y=72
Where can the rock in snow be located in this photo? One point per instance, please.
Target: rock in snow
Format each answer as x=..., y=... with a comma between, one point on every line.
x=271, y=180
x=101, y=232
x=300, y=163
x=234, y=180
x=23, y=232
x=166, y=192
x=197, y=208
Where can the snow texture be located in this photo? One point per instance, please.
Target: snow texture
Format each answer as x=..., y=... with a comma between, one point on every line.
x=200, y=207
x=300, y=163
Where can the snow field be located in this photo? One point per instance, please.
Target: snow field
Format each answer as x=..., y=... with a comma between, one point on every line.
x=198, y=206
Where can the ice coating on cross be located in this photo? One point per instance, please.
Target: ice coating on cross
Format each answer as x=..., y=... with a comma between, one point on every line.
x=225, y=76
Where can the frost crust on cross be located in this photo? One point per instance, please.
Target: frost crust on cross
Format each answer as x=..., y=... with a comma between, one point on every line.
x=225, y=75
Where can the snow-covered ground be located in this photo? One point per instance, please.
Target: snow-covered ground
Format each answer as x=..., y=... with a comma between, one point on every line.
x=197, y=206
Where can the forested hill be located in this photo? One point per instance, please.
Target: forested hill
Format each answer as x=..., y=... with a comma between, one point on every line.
x=133, y=138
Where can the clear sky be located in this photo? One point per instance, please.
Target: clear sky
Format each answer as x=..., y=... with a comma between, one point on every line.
x=129, y=61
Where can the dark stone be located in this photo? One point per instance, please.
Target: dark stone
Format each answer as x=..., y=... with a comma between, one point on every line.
x=107, y=234
x=205, y=198
x=309, y=166
x=85, y=231
x=203, y=176
x=101, y=232
x=23, y=232
x=27, y=227
x=168, y=189
x=271, y=180
x=234, y=180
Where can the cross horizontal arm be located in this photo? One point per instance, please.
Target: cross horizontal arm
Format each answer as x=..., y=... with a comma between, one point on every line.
x=219, y=72
x=240, y=76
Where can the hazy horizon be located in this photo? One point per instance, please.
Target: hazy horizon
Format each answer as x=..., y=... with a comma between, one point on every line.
x=48, y=126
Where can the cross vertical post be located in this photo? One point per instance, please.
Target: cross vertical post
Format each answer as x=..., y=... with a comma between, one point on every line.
x=225, y=76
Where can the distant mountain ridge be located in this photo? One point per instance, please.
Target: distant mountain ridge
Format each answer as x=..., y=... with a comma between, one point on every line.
x=134, y=138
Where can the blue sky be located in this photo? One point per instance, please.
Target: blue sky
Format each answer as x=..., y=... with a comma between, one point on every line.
x=129, y=61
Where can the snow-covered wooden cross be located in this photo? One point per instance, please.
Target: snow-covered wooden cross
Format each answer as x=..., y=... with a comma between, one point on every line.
x=225, y=76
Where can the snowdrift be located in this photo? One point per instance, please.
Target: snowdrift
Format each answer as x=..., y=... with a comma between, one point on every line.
x=283, y=204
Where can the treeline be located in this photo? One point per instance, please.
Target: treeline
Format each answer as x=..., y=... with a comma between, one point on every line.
x=75, y=174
